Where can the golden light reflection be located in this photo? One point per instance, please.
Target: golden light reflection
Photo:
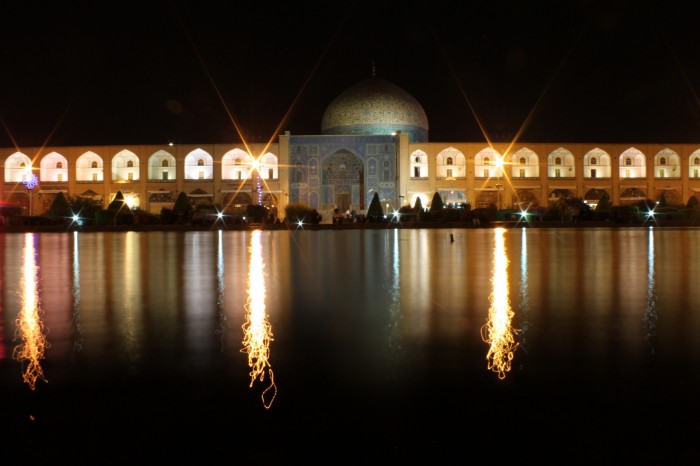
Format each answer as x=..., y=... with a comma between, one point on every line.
x=256, y=329
x=498, y=331
x=30, y=327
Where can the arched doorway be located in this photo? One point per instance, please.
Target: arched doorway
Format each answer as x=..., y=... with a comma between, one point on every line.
x=342, y=181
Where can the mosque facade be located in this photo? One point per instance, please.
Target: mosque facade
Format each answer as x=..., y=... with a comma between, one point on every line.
x=374, y=139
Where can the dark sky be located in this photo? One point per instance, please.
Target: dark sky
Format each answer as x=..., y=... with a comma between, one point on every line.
x=87, y=73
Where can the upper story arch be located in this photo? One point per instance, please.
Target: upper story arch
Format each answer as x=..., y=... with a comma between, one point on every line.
x=488, y=163
x=694, y=164
x=597, y=164
x=199, y=165
x=633, y=164
x=162, y=166
x=561, y=163
x=419, y=164
x=524, y=163
x=451, y=164
x=236, y=164
x=89, y=167
x=268, y=166
x=17, y=167
x=667, y=164
x=125, y=167
x=53, y=168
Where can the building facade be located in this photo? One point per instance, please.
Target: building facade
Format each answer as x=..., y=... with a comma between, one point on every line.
x=374, y=139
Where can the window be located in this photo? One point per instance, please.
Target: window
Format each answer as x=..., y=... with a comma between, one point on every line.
x=130, y=164
x=164, y=163
x=200, y=163
x=416, y=172
x=628, y=161
x=270, y=174
x=522, y=173
x=627, y=173
x=695, y=172
x=164, y=175
x=237, y=162
x=594, y=173
x=417, y=159
x=130, y=176
x=486, y=173
x=696, y=161
x=201, y=175
x=557, y=161
x=487, y=161
x=93, y=165
x=449, y=161
x=60, y=177
x=662, y=173
x=94, y=176
x=557, y=173
x=240, y=174
x=662, y=161
x=449, y=173
x=59, y=165
x=522, y=160
x=594, y=161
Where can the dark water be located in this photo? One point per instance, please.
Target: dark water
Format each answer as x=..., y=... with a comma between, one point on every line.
x=133, y=348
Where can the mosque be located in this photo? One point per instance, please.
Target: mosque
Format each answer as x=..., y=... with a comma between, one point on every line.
x=374, y=139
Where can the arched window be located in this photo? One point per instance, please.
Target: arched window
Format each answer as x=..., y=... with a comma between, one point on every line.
x=200, y=162
x=628, y=161
x=487, y=161
x=59, y=165
x=418, y=159
x=130, y=163
x=522, y=160
x=93, y=165
x=696, y=161
x=449, y=161
x=164, y=163
x=237, y=162
x=22, y=165
x=594, y=161
x=557, y=161
x=662, y=161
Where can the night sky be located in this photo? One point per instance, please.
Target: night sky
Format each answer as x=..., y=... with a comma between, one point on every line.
x=87, y=73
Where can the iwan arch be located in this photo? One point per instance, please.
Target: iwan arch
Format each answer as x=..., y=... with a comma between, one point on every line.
x=374, y=138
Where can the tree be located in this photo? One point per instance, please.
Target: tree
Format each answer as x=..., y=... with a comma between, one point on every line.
x=60, y=209
x=436, y=205
x=375, y=213
x=418, y=206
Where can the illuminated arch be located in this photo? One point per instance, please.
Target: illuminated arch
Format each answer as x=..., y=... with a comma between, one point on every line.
x=17, y=166
x=525, y=163
x=121, y=172
x=633, y=164
x=162, y=166
x=419, y=164
x=50, y=169
x=236, y=164
x=485, y=163
x=561, y=163
x=450, y=163
x=199, y=165
x=597, y=164
x=89, y=167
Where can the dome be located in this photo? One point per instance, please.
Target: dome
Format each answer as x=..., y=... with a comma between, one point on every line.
x=376, y=107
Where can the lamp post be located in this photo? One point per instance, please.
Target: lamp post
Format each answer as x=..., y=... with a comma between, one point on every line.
x=30, y=180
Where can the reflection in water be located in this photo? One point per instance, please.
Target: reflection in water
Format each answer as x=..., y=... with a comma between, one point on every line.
x=524, y=301
x=497, y=331
x=30, y=327
x=220, y=286
x=256, y=329
x=78, y=341
x=650, y=316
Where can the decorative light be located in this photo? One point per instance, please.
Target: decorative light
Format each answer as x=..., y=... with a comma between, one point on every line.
x=30, y=180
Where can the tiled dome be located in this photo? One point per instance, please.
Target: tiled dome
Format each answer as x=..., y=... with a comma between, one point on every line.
x=376, y=107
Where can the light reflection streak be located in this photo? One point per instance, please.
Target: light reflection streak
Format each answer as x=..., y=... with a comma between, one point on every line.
x=650, y=316
x=220, y=287
x=30, y=327
x=78, y=343
x=498, y=331
x=257, y=330
x=524, y=300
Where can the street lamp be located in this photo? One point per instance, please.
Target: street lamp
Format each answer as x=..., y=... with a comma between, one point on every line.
x=499, y=167
x=30, y=180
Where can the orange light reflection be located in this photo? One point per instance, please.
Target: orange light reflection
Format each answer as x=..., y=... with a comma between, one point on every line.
x=30, y=327
x=257, y=330
x=498, y=331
